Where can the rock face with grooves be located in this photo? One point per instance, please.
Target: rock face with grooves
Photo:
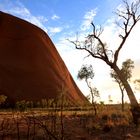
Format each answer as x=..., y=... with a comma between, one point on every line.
x=30, y=67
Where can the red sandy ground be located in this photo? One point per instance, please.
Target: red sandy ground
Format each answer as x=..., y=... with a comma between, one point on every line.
x=76, y=131
x=75, y=128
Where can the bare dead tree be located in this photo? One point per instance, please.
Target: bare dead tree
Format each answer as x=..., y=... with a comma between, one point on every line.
x=96, y=48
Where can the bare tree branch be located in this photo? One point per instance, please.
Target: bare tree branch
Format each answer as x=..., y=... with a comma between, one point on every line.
x=94, y=45
x=129, y=18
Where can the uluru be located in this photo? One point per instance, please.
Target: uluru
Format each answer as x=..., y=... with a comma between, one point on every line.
x=30, y=66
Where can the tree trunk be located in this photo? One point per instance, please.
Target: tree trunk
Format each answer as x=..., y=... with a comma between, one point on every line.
x=135, y=108
x=92, y=98
x=122, y=91
x=127, y=87
x=122, y=98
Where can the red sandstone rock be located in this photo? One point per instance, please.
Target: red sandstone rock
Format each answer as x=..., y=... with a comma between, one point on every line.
x=30, y=66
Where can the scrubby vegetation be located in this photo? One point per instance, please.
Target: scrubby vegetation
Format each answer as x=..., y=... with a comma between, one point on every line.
x=68, y=123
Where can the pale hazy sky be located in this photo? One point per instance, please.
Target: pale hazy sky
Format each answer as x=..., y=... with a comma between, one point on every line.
x=62, y=19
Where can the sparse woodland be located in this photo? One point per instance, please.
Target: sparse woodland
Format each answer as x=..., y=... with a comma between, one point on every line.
x=129, y=16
